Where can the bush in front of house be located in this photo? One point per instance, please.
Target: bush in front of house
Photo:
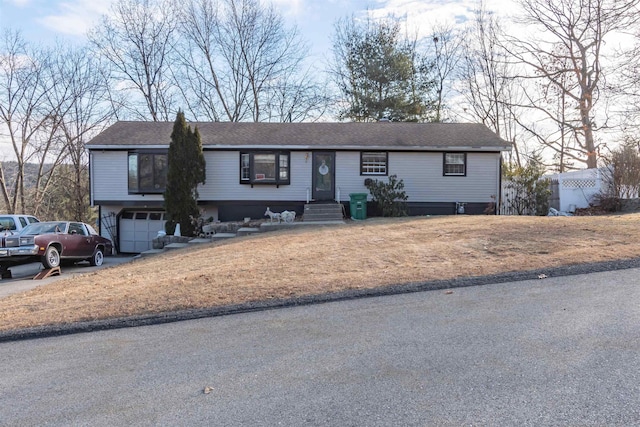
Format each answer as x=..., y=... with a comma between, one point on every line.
x=389, y=197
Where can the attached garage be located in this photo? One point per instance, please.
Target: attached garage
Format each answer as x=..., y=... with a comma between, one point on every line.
x=138, y=229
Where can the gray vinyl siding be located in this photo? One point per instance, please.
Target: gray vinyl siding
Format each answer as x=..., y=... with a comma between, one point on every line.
x=223, y=179
x=421, y=172
x=109, y=178
x=348, y=179
x=423, y=178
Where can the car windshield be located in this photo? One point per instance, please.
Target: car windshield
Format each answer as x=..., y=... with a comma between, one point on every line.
x=92, y=230
x=44, y=228
x=7, y=223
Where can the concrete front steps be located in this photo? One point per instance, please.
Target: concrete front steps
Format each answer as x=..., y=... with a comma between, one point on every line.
x=323, y=212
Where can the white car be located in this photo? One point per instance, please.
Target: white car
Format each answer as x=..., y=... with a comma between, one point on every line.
x=10, y=224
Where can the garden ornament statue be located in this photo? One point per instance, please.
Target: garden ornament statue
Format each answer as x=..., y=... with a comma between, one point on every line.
x=286, y=216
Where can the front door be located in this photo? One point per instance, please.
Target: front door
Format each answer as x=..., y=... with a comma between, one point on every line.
x=323, y=179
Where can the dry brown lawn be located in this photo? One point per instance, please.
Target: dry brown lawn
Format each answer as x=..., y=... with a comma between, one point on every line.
x=308, y=261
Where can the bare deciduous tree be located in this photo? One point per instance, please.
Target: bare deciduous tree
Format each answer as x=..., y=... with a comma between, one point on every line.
x=242, y=63
x=137, y=40
x=555, y=106
x=87, y=111
x=446, y=56
x=30, y=120
x=53, y=99
x=629, y=86
x=487, y=79
x=622, y=171
x=296, y=98
x=568, y=54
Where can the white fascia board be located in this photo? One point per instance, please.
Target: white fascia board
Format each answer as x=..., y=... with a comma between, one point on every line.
x=308, y=147
x=353, y=148
x=127, y=147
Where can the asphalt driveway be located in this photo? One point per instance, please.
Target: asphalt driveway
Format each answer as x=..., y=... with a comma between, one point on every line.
x=557, y=351
x=23, y=275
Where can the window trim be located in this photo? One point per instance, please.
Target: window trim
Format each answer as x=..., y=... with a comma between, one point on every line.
x=138, y=153
x=444, y=164
x=386, y=164
x=280, y=163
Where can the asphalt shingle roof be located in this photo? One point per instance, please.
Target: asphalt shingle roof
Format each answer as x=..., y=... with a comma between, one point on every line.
x=308, y=135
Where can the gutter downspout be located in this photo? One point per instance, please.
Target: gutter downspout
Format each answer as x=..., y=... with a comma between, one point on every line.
x=499, y=192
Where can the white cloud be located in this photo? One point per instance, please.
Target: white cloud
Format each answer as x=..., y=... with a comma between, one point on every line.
x=422, y=15
x=75, y=17
x=289, y=8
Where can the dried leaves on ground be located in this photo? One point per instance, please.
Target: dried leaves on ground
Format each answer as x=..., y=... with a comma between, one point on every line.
x=316, y=260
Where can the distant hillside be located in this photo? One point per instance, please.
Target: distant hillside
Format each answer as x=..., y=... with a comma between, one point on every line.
x=11, y=172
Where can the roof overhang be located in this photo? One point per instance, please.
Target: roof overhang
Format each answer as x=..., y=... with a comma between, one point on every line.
x=307, y=148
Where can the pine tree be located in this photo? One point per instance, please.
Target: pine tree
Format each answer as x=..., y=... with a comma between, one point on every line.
x=186, y=171
x=380, y=73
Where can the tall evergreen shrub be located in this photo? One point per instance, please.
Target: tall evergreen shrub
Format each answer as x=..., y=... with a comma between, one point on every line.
x=186, y=171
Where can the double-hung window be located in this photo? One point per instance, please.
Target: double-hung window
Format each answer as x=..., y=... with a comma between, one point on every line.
x=374, y=162
x=455, y=164
x=147, y=172
x=265, y=167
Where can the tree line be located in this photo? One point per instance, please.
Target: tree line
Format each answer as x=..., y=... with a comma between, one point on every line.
x=561, y=88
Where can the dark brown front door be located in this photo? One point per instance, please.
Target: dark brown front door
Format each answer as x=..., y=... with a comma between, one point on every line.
x=323, y=179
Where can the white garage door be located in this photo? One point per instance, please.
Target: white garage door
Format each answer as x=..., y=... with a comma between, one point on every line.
x=138, y=229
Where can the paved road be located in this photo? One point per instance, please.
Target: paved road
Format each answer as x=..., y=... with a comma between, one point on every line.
x=22, y=275
x=558, y=351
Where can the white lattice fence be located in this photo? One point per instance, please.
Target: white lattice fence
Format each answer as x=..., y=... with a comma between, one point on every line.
x=577, y=189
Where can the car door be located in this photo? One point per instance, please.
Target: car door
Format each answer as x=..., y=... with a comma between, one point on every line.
x=79, y=242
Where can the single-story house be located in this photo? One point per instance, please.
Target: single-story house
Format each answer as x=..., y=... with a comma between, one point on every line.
x=252, y=166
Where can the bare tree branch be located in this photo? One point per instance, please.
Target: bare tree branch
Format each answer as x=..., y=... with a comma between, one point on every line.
x=567, y=58
x=137, y=39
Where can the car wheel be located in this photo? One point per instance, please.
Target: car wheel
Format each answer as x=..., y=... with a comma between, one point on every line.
x=51, y=258
x=97, y=258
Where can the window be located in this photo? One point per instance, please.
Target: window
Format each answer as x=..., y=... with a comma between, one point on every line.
x=373, y=163
x=77, y=228
x=8, y=223
x=147, y=172
x=264, y=168
x=91, y=230
x=455, y=164
x=245, y=170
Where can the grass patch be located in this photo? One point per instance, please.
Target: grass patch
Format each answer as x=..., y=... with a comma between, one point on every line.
x=311, y=261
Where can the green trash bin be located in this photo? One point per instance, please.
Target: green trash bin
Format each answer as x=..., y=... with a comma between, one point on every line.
x=358, y=205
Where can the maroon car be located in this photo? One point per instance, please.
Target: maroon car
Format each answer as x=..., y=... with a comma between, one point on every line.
x=53, y=243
